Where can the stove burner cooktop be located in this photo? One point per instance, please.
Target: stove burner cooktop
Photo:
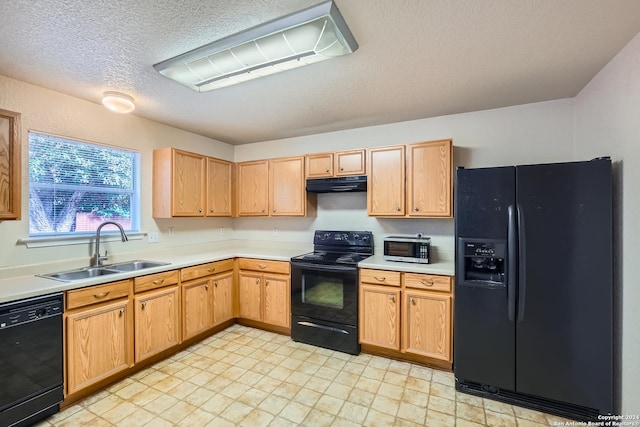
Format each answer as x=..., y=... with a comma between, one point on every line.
x=339, y=247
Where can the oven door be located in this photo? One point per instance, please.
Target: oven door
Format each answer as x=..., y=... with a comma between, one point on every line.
x=326, y=292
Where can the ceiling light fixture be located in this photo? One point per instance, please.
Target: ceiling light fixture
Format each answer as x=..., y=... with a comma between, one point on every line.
x=118, y=102
x=310, y=35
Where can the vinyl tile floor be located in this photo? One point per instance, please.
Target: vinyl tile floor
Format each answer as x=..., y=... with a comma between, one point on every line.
x=249, y=377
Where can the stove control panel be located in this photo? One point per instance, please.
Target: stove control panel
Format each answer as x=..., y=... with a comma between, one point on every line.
x=343, y=238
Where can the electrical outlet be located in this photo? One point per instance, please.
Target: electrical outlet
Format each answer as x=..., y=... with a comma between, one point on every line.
x=152, y=237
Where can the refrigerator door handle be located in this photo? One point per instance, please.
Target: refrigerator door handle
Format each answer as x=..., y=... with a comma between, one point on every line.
x=512, y=234
x=522, y=264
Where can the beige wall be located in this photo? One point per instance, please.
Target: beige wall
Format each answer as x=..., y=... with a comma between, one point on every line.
x=607, y=117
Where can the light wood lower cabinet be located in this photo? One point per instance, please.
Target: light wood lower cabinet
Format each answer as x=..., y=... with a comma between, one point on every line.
x=99, y=334
x=427, y=324
x=264, y=291
x=380, y=316
x=397, y=314
x=207, y=298
x=157, y=321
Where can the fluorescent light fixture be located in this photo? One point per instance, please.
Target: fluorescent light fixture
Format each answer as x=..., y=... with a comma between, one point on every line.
x=310, y=35
x=118, y=102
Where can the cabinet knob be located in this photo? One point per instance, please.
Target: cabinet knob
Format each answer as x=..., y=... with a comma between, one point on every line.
x=341, y=169
x=215, y=284
x=262, y=210
x=143, y=304
x=206, y=286
x=266, y=283
x=416, y=209
x=199, y=210
x=411, y=300
x=392, y=298
x=211, y=210
x=121, y=311
x=257, y=280
x=327, y=171
x=398, y=208
x=274, y=210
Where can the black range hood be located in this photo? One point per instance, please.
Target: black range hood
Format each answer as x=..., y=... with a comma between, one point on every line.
x=342, y=184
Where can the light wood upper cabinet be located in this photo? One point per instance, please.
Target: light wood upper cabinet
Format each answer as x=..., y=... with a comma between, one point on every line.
x=429, y=179
x=253, y=188
x=287, y=193
x=342, y=163
x=385, y=193
x=218, y=187
x=425, y=190
x=188, y=184
x=427, y=324
x=10, y=161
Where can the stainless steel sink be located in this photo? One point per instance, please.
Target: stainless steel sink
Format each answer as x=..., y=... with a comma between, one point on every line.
x=89, y=272
x=135, y=265
x=83, y=273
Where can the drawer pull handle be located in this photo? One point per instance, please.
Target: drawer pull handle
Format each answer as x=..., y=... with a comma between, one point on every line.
x=211, y=270
x=262, y=266
x=158, y=281
x=429, y=283
x=101, y=294
x=380, y=279
x=392, y=298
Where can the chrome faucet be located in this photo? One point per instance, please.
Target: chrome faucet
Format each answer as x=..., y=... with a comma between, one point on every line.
x=96, y=259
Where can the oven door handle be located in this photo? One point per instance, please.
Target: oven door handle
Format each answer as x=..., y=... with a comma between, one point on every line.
x=321, y=267
x=328, y=328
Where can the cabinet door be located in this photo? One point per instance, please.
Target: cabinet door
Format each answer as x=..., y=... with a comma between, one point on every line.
x=385, y=194
x=427, y=324
x=157, y=324
x=250, y=295
x=350, y=163
x=277, y=294
x=10, y=161
x=319, y=165
x=287, y=193
x=218, y=187
x=222, y=298
x=188, y=194
x=99, y=343
x=197, y=307
x=253, y=188
x=380, y=316
x=429, y=182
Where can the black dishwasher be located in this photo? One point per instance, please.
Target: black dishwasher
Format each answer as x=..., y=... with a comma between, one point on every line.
x=31, y=370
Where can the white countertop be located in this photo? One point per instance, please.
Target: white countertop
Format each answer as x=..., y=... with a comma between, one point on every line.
x=25, y=286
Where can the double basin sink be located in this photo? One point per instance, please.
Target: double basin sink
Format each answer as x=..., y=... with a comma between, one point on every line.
x=104, y=270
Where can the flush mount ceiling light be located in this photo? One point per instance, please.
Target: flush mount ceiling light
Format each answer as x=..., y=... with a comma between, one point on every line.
x=302, y=38
x=118, y=102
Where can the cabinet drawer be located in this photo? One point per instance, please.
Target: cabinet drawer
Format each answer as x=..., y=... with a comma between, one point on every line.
x=99, y=293
x=264, y=265
x=207, y=269
x=428, y=282
x=154, y=281
x=380, y=277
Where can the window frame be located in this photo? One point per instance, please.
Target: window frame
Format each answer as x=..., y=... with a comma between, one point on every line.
x=47, y=238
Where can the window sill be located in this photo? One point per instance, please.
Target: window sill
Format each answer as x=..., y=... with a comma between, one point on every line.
x=42, y=242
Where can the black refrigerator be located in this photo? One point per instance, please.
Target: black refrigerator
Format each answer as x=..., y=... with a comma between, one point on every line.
x=533, y=308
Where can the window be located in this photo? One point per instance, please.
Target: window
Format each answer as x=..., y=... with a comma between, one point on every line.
x=75, y=186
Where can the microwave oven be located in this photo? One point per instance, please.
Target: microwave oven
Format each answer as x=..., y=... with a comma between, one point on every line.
x=407, y=249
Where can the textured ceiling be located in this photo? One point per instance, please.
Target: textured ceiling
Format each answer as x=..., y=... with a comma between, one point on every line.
x=417, y=58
